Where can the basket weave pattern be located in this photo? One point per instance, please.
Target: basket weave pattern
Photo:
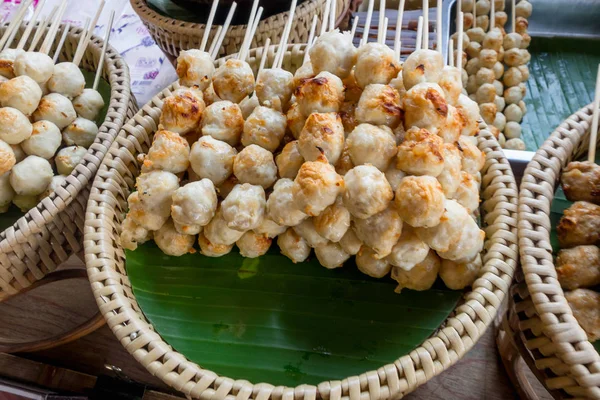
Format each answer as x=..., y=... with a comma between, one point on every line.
x=105, y=261
x=557, y=342
x=48, y=234
x=173, y=35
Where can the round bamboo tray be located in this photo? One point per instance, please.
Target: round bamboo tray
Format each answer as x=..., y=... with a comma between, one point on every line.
x=568, y=362
x=105, y=261
x=48, y=234
x=173, y=35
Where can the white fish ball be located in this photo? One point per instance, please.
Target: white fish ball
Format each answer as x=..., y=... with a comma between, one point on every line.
x=81, y=132
x=88, y=104
x=31, y=176
x=14, y=126
x=45, y=139
x=67, y=79
x=37, y=66
x=57, y=109
x=67, y=159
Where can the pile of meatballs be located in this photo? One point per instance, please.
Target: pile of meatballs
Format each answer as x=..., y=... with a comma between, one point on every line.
x=47, y=122
x=356, y=154
x=496, y=66
x=578, y=261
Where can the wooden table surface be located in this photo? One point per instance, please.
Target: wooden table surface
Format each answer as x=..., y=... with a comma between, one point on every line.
x=61, y=305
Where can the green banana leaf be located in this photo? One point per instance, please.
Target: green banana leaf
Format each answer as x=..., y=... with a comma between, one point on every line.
x=270, y=320
x=8, y=218
x=562, y=80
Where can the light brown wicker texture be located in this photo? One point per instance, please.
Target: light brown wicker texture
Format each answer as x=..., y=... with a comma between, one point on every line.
x=105, y=261
x=48, y=234
x=173, y=35
x=559, y=343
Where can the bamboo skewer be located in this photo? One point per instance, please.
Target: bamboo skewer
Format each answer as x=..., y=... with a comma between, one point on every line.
x=207, y=28
x=79, y=55
x=13, y=26
x=224, y=30
x=325, y=20
x=419, y=33
x=425, y=24
x=252, y=26
x=263, y=58
x=42, y=28
x=367, y=24
x=61, y=42
x=103, y=54
x=354, y=26
x=459, y=45
x=333, y=15
x=311, y=35
x=49, y=39
x=438, y=26
x=248, y=29
x=386, y=21
x=284, y=39
x=380, y=31
x=450, y=53
x=475, y=14
x=397, y=41
x=513, y=15
x=215, y=40
x=458, y=11
x=492, y=14
x=595, y=116
x=86, y=26
x=30, y=25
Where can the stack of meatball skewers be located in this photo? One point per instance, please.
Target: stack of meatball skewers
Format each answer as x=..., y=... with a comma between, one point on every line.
x=47, y=117
x=356, y=154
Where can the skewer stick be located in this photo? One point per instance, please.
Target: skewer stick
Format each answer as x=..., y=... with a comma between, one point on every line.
x=13, y=26
x=225, y=29
x=459, y=45
x=450, y=53
x=594, y=127
x=88, y=36
x=425, y=24
x=263, y=58
x=311, y=35
x=365, y=37
x=397, y=42
x=252, y=26
x=354, y=26
x=215, y=39
x=419, y=33
x=103, y=54
x=492, y=14
x=30, y=25
x=285, y=37
x=47, y=44
x=475, y=13
x=86, y=25
x=458, y=10
x=209, y=21
x=325, y=17
x=248, y=27
x=42, y=29
x=386, y=22
x=438, y=26
x=61, y=42
x=513, y=15
x=380, y=32
x=333, y=15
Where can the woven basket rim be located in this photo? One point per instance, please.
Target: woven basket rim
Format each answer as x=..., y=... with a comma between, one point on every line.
x=49, y=207
x=568, y=340
x=172, y=25
x=455, y=337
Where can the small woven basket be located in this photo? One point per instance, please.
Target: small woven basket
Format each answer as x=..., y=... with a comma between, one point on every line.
x=49, y=233
x=567, y=361
x=173, y=35
x=105, y=261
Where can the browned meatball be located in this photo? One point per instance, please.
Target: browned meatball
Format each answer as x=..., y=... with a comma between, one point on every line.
x=585, y=304
x=581, y=181
x=578, y=267
x=579, y=225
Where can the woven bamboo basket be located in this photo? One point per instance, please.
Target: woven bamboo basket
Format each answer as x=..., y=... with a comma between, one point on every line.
x=48, y=234
x=105, y=261
x=173, y=35
x=567, y=362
